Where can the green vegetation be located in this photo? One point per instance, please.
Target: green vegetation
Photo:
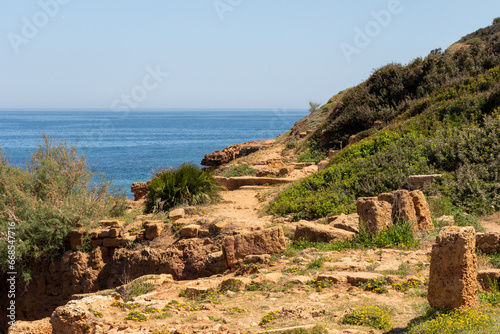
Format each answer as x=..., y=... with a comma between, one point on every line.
x=370, y=316
x=312, y=156
x=375, y=285
x=492, y=296
x=139, y=287
x=396, y=236
x=187, y=184
x=495, y=260
x=313, y=106
x=444, y=116
x=239, y=170
x=54, y=195
x=448, y=322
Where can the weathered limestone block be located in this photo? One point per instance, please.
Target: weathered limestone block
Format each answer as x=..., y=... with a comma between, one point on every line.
x=403, y=208
x=422, y=210
x=176, y=214
x=453, y=271
x=268, y=241
x=153, y=229
x=348, y=223
x=190, y=231
x=321, y=233
x=76, y=238
x=484, y=277
x=374, y=214
x=488, y=242
x=115, y=232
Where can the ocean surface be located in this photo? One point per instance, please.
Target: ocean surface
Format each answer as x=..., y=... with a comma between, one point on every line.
x=129, y=146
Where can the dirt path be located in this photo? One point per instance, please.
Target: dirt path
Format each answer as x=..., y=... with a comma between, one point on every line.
x=492, y=222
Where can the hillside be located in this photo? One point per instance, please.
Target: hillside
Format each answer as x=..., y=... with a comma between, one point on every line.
x=435, y=115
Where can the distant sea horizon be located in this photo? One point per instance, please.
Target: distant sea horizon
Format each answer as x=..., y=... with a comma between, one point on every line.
x=129, y=146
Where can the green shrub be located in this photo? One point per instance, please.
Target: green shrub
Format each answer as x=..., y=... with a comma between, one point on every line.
x=311, y=156
x=187, y=184
x=291, y=144
x=450, y=322
x=371, y=316
x=492, y=296
x=239, y=170
x=54, y=195
x=396, y=236
x=495, y=260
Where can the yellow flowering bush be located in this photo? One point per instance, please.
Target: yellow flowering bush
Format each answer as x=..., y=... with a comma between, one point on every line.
x=129, y=306
x=411, y=283
x=136, y=316
x=375, y=285
x=449, y=322
x=371, y=316
x=270, y=316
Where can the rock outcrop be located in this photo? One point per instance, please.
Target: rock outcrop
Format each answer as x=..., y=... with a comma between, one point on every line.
x=229, y=154
x=139, y=189
x=453, y=270
x=421, y=182
x=268, y=241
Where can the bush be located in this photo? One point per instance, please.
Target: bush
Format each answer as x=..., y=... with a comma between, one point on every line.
x=449, y=322
x=239, y=170
x=54, y=195
x=187, y=184
x=312, y=156
x=396, y=236
x=371, y=316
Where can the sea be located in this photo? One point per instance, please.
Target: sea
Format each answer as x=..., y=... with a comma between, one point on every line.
x=131, y=146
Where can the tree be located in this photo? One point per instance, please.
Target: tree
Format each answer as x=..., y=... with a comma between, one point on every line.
x=313, y=106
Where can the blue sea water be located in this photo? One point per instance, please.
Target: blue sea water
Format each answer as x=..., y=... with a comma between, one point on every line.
x=128, y=146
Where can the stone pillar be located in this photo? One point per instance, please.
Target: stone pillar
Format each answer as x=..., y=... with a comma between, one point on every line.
x=453, y=272
x=374, y=214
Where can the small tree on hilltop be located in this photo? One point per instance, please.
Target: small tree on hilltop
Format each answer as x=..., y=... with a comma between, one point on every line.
x=313, y=106
x=496, y=21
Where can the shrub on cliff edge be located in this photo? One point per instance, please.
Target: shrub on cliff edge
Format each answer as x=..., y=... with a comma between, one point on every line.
x=187, y=184
x=52, y=196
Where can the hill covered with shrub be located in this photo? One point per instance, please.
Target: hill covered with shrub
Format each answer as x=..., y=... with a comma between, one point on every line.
x=440, y=114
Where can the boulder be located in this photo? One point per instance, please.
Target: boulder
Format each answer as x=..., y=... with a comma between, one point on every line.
x=335, y=278
x=190, y=231
x=484, y=277
x=153, y=229
x=348, y=223
x=139, y=189
x=453, y=270
x=176, y=214
x=403, y=209
x=321, y=233
x=374, y=214
x=70, y=318
x=422, y=211
x=488, y=242
x=268, y=241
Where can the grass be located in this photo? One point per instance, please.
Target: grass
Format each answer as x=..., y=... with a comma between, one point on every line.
x=495, y=260
x=239, y=170
x=185, y=185
x=139, y=287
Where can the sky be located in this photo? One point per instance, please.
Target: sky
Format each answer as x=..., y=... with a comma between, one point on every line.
x=211, y=54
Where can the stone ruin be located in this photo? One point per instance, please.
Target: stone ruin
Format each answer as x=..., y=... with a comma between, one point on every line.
x=453, y=272
x=378, y=213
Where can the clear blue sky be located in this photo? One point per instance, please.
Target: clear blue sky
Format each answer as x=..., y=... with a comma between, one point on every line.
x=263, y=54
